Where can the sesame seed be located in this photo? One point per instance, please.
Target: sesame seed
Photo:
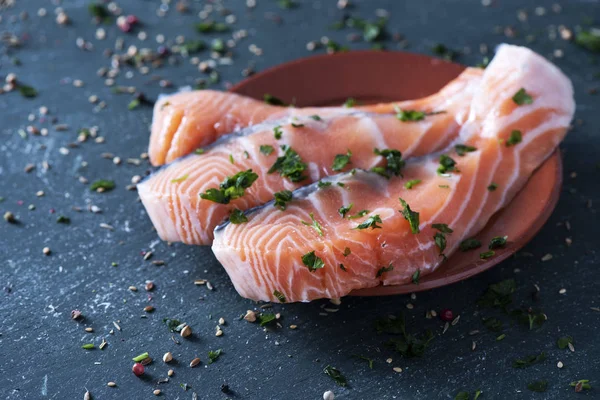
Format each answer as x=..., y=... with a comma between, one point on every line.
x=221, y=321
x=410, y=306
x=40, y=193
x=168, y=357
x=571, y=347
x=562, y=291
x=194, y=362
x=170, y=372
x=46, y=251
x=89, y=329
x=560, y=364
x=186, y=331
x=397, y=369
x=219, y=332
x=29, y=167
x=389, y=360
x=547, y=257
x=111, y=384
x=157, y=392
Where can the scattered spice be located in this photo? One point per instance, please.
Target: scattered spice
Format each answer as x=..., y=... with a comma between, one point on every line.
x=214, y=355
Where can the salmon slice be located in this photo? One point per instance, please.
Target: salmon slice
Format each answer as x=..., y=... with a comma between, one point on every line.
x=186, y=121
x=171, y=195
x=317, y=249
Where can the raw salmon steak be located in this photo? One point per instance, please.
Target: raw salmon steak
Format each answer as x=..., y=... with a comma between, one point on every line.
x=186, y=121
x=282, y=155
x=374, y=231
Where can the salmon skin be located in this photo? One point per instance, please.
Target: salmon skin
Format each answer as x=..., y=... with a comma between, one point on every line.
x=287, y=154
x=185, y=121
x=316, y=248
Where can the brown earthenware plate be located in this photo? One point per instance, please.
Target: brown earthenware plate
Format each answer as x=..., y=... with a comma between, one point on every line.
x=371, y=76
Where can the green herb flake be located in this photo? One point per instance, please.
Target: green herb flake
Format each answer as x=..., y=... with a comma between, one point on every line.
x=477, y=394
x=383, y=270
x=515, y=138
x=272, y=100
x=345, y=210
x=497, y=242
x=103, y=184
x=412, y=183
x=529, y=360
x=498, y=295
x=343, y=268
x=141, y=357
x=394, y=162
x=411, y=216
x=246, y=155
x=282, y=198
x=199, y=151
x=266, y=318
x=193, y=46
x=368, y=360
x=315, y=224
x=295, y=125
x=447, y=164
x=359, y=214
x=287, y=4
x=409, y=115
x=316, y=117
x=487, y=254
x=462, y=149
x=279, y=296
x=341, y=160
x=27, y=91
x=266, y=149
x=233, y=187
x=231, y=160
x=492, y=187
x=63, y=220
x=99, y=11
x=322, y=184
x=440, y=241
x=493, y=324
x=370, y=222
x=289, y=165
x=442, y=228
x=214, y=355
x=336, y=375
x=445, y=52
x=277, y=132
x=313, y=262
x=346, y=252
x=350, y=102
x=522, y=97
x=469, y=244
x=529, y=317
x=237, y=217
x=415, y=277
x=462, y=396
x=174, y=325
x=564, y=342
x=133, y=104
x=211, y=26
x=589, y=39
x=501, y=337
x=88, y=346
x=180, y=179
x=580, y=385
x=407, y=344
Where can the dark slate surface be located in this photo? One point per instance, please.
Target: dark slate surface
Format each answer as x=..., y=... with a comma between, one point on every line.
x=40, y=346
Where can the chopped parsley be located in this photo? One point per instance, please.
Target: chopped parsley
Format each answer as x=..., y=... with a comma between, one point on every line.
x=266, y=149
x=411, y=216
x=447, y=164
x=522, y=97
x=180, y=179
x=272, y=100
x=412, y=183
x=497, y=242
x=412, y=115
x=394, y=162
x=63, y=220
x=88, y=346
x=231, y=160
x=469, y=244
x=341, y=160
x=193, y=47
x=529, y=317
x=350, y=102
x=515, y=138
x=589, y=39
x=492, y=187
x=343, y=268
x=343, y=210
x=27, y=91
x=289, y=165
x=295, y=125
x=277, y=132
x=529, y=360
x=440, y=241
x=103, y=184
x=313, y=262
x=279, y=296
x=237, y=217
x=342, y=184
x=383, y=270
x=462, y=149
x=322, y=184
x=199, y=151
x=174, y=325
x=416, y=276
x=133, y=104
x=316, y=117
x=369, y=360
x=444, y=52
x=214, y=355
x=370, y=222
x=564, y=341
x=487, y=254
x=282, y=198
x=211, y=26
x=407, y=344
x=233, y=187
x=287, y=4
x=99, y=11
x=315, y=224
x=336, y=375
x=141, y=357
x=442, y=228
x=493, y=324
x=498, y=295
x=359, y=214
x=346, y=252
x=266, y=318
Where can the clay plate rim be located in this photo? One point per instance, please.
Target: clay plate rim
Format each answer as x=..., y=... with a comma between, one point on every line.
x=373, y=76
